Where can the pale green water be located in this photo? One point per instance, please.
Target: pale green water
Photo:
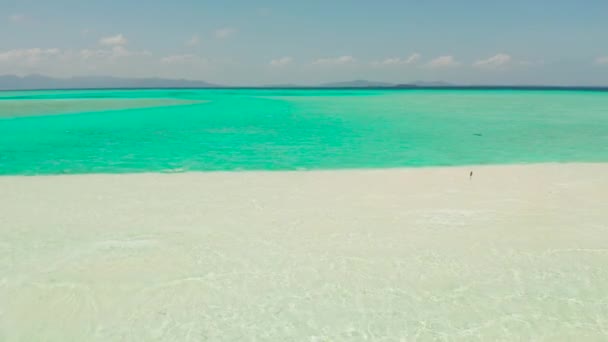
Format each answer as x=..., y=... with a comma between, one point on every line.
x=54, y=132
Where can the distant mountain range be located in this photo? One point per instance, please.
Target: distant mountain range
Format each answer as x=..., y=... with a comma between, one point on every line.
x=357, y=84
x=12, y=82
x=425, y=84
x=32, y=82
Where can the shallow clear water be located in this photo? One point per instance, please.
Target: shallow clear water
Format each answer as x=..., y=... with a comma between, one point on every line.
x=115, y=131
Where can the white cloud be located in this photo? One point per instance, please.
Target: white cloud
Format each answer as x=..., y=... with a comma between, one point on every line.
x=495, y=62
x=443, y=62
x=17, y=18
x=60, y=62
x=88, y=53
x=342, y=60
x=119, y=51
x=177, y=59
x=116, y=40
x=111, y=54
x=225, y=32
x=281, y=62
x=602, y=60
x=111, y=61
x=397, y=61
x=412, y=58
x=28, y=56
x=194, y=41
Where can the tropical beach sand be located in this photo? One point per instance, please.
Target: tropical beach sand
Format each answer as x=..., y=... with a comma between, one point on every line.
x=516, y=253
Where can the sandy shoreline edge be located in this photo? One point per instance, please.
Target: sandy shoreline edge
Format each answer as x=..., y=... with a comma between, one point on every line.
x=518, y=252
x=470, y=167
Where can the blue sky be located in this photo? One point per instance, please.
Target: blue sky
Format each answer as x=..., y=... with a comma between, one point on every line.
x=261, y=42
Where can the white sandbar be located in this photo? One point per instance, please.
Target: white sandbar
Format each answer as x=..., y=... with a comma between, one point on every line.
x=516, y=253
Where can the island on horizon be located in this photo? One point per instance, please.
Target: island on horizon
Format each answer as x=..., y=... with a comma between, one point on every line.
x=42, y=82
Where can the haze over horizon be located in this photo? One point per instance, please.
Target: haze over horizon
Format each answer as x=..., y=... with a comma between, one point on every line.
x=270, y=42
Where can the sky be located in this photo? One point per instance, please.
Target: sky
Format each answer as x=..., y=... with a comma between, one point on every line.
x=247, y=42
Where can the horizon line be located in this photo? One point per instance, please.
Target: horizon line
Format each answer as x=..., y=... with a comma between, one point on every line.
x=396, y=87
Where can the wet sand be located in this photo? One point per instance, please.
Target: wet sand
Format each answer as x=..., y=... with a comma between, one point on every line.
x=516, y=253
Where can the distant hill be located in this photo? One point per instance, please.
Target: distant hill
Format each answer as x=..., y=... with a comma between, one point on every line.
x=12, y=82
x=424, y=84
x=373, y=84
x=286, y=85
x=357, y=84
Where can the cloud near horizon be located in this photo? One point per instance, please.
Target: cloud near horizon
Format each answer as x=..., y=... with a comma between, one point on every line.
x=443, y=62
x=342, y=60
x=281, y=62
x=498, y=61
x=28, y=56
x=111, y=54
x=116, y=40
x=118, y=60
x=38, y=55
x=412, y=59
x=70, y=62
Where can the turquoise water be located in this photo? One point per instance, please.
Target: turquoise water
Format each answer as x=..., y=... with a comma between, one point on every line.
x=58, y=132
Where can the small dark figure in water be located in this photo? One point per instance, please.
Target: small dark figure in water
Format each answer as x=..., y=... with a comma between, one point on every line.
x=471, y=175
